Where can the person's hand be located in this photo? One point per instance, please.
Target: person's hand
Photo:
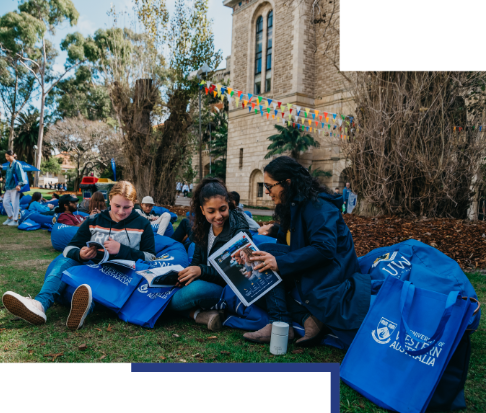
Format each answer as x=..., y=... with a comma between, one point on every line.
x=95, y=211
x=264, y=229
x=269, y=261
x=17, y=188
x=112, y=246
x=189, y=274
x=88, y=253
x=51, y=206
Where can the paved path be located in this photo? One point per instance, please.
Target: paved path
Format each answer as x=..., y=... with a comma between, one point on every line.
x=181, y=201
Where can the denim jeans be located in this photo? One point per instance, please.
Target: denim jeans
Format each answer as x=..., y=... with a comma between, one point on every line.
x=184, y=228
x=278, y=302
x=198, y=294
x=53, y=286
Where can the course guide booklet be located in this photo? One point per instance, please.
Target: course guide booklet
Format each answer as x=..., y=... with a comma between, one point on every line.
x=233, y=263
x=106, y=257
x=162, y=276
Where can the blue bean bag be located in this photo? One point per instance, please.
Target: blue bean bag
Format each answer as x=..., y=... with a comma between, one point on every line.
x=263, y=239
x=169, y=252
x=25, y=200
x=248, y=213
x=46, y=221
x=28, y=225
x=62, y=235
x=160, y=210
x=2, y=209
x=190, y=251
x=65, y=297
x=24, y=214
x=81, y=213
x=54, y=202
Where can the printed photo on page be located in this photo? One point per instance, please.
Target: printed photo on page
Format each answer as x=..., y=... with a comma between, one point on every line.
x=233, y=263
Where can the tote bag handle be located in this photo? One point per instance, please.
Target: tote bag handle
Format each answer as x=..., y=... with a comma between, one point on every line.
x=406, y=299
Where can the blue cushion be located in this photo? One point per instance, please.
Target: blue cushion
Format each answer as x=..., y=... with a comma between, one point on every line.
x=62, y=235
x=170, y=251
x=248, y=213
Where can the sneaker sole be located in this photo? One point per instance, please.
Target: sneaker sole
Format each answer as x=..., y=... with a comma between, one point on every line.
x=17, y=308
x=80, y=304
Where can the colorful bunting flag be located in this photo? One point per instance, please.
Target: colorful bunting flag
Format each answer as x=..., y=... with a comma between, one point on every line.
x=279, y=104
x=244, y=103
x=249, y=97
x=325, y=115
x=308, y=120
x=306, y=111
x=206, y=90
x=239, y=93
x=230, y=91
x=316, y=112
x=269, y=101
x=289, y=105
x=313, y=116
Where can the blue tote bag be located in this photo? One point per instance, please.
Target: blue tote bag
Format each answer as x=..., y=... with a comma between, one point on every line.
x=111, y=285
x=405, y=343
x=146, y=304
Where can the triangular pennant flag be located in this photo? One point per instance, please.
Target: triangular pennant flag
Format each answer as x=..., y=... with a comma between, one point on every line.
x=215, y=93
x=322, y=124
x=223, y=90
x=340, y=122
x=342, y=117
x=334, y=116
x=259, y=99
x=296, y=119
x=206, y=90
x=290, y=110
x=290, y=116
x=209, y=83
x=320, y=118
x=313, y=116
x=279, y=104
x=289, y=105
x=253, y=105
x=219, y=87
x=306, y=111
x=308, y=120
x=222, y=97
x=328, y=126
x=303, y=120
x=283, y=122
x=274, y=105
x=269, y=101
x=268, y=110
x=307, y=128
x=249, y=97
x=239, y=93
x=273, y=116
x=267, y=115
x=327, y=119
x=316, y=112
x=237, y=101
x=283, y=114
x=249, y=109
x=230, y=91
x=311, y=128
x=219, y=93
x=480, y=129
x=256, y=111
x=317, y=123
x=244, y=103
x=266, y=103
x=276, y=111
x=261, y=108
x=202, y=83
x=325, y=114
x=345, y=130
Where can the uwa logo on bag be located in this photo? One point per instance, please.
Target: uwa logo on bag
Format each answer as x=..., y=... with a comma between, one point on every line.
x=143, y=289
x=383, y=331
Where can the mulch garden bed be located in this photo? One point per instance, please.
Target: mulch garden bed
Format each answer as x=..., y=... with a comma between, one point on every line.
x=462, y=240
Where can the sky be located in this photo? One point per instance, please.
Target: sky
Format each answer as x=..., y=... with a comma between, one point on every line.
x=93, y=15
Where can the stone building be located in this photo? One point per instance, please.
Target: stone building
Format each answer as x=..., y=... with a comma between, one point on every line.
x=278, y=53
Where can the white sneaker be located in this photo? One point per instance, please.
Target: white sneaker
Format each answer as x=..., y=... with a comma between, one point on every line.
x=80, y=305
x=26, y=308
x=13, y=224
x=8, y=221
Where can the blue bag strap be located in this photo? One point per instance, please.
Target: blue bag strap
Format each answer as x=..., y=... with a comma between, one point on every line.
x=406, y=299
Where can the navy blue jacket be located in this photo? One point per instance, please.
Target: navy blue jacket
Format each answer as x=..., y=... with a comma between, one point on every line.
x=323, y=262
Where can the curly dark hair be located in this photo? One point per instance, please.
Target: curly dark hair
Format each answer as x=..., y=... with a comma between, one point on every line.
x=301, y=184
x=207, y=189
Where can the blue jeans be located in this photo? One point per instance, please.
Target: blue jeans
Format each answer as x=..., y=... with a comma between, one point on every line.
x=278, y=302
x=198, y=294
x=53, y=287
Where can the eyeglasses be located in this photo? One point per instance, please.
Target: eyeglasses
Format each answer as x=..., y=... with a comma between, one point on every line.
x=270, y=186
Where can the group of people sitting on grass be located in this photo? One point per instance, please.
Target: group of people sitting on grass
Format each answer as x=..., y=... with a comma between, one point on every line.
x=321, y=290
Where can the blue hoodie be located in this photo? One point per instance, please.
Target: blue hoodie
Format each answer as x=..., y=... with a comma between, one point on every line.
x=323, y=263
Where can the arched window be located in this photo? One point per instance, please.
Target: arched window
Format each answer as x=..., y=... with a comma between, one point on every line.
x=268, y=73
x=258, y=56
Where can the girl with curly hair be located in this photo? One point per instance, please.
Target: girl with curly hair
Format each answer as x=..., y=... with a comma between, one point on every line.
x=315, y=255
x=216, y=221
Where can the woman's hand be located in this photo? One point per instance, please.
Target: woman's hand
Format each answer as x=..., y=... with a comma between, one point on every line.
x=51, y=207
x=269, y=261
x=264, y=229
x=112, y=246
x=17, y=188
x=189, y=274
x=88, y=253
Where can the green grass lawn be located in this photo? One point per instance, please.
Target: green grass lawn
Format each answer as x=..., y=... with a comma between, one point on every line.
x=24, y=260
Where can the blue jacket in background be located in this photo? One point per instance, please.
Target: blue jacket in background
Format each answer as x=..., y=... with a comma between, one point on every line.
x=38, y=207
x=323, y=262
x=14, y=167
x=346, y=193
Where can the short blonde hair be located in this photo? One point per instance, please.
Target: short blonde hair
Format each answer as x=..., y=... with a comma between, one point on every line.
x=125, y=189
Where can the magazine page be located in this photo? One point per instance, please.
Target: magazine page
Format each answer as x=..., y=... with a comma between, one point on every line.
x=124, y=263
x=233, y=263
x=99, y=247
x=162, y=276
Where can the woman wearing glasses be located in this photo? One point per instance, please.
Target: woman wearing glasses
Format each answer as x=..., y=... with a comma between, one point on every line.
x=314, y=254
x=125, y=235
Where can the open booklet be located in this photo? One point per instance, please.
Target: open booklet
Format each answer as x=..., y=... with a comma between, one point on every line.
x=232, y=261
x=106, y=257
x=162, y=276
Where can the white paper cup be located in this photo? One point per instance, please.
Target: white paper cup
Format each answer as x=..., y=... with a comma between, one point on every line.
x=280, y=338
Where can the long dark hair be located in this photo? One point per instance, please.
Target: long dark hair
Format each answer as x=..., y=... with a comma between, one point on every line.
x=302, y=184
x=207, y=189
x=37, y=196
x=97, y=201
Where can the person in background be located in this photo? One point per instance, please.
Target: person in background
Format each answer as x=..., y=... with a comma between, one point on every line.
x=235, y=197
x=96, y=204
x=146, y=211
x=55, y=196
x=36, y=205
x=184, y=231
x=67, y=205
x=178, y=188
x=190, y=187
x=185, y=189
x=346, y=192
x=336, y=191
x=13, y=185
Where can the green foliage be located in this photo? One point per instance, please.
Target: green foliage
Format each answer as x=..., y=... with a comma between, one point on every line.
x=318, y=173
x=51, y=12
x=290, y=139
x=27, y=131
x=51, y=165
